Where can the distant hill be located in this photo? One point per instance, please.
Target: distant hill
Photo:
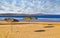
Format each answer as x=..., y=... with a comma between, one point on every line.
x=14, y=14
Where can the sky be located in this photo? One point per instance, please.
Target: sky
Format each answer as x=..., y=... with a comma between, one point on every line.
x=30, y=6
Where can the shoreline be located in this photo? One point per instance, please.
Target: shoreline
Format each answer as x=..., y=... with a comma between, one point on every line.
x=18, y=23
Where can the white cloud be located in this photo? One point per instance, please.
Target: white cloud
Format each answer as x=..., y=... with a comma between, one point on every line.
x=33, y=7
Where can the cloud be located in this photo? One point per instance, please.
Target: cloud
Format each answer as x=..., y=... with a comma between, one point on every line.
x=30, y=6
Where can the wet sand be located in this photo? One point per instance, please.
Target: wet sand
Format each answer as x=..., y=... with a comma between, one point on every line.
x=29, y=30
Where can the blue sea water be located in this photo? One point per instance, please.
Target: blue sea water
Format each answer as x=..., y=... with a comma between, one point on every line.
x=37, y=16
x=42, y=18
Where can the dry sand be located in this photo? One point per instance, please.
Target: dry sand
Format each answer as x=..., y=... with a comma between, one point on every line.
x=29, y=30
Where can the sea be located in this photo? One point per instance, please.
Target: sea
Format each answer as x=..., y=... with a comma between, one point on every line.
x=40, y=18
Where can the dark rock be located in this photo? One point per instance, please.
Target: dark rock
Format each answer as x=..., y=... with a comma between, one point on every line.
x=15, y=20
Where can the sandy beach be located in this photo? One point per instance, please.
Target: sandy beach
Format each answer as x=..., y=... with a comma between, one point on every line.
x=29, y=29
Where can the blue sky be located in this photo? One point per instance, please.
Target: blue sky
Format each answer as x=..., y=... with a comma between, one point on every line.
x=30, y=6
